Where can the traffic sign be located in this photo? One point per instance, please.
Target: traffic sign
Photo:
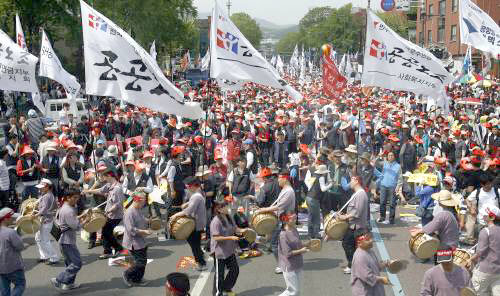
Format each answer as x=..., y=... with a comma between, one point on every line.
x=387, y=5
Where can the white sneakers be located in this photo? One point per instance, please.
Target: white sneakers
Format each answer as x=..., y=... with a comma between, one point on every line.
x=278, y=270
x=346, y=270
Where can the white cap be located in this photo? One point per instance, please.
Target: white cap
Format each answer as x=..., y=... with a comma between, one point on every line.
x=43, y=182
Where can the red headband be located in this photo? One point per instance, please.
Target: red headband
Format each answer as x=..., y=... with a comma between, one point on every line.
x=286, y=217
x=491, y=214
x=139, y=198
x=7, y=216
x=441, y=253
x=174, y=289
x=361, y=238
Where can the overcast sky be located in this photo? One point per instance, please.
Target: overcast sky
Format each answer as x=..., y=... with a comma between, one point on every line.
x=280, y=12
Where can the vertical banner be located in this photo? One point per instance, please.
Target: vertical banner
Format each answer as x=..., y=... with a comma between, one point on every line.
x=333, y=81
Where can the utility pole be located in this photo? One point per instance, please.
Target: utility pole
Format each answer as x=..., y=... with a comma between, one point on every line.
x=229, y=8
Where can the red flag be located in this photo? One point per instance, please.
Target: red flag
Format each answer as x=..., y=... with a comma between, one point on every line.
x=333, y=81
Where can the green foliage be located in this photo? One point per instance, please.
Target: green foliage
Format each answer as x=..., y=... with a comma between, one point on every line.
x=248, y=27
x=326, y=25
x=396, y=21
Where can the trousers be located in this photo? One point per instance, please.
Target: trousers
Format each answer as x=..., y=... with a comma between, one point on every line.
x=349, y=246
x=387, y=195
x=73, y=263
x=275, y=237
x=225, y=283
x=109, y=241
x=194, y=241
x=45, y=246
x=314, y=218
x=293, y=282
x=135, y=272
x=485, y=284
x=15, y=278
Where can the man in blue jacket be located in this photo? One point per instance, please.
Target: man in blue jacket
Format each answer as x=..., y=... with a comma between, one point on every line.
x=389, y=178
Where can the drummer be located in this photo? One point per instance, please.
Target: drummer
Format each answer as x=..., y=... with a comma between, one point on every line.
x=133, y=239
x=69, y=223
x=196, y=209
x=223, y=244
x=290, y=254
x=113, y=210
x=445, y=279
x=11, y=261
x=486, y=278
x=365, y=277
x=445, y=223
x=357, y=217
x=284, y=204
x=46, y=206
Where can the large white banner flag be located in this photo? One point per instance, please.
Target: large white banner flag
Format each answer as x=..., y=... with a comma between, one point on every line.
x=20, y=34
x=478, y=29
x=116, y=65
x=17, y=66
x=395, y=63
x=233, y=57
x=50, y=66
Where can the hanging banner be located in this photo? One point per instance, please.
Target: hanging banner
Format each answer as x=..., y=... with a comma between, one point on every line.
x=17, y=66
x=116, y=65
x=395, y=63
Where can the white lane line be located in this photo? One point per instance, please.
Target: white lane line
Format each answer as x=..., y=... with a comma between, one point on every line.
x=203, y=278
x=379, y=243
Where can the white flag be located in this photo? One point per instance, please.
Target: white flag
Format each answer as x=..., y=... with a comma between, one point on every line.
x=279, y=65
x=294, y=60
x=51, y=67
x=37, y=101
x=19, y=33
x=302, y=75
x=116, y=65
x=152, y=50
x=205, y=62
x=342, y=65
x=17, y=66
x=395, y=63
x=273, y=60
x=478, y=29
x=234, y=58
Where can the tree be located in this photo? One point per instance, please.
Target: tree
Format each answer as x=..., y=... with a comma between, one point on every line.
x=396, y=21
x=315, y=17
x=287, y=44
x=248, y=27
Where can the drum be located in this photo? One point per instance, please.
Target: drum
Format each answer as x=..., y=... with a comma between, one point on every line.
x=315, y=245
x=395, y=266
x=467, y=291
x=181, y=227
x=334, y=228
x=264, y=223
x=423, y=245
x=26, y=223
x=155, y=224
x=461, y=256
x=250, y=235
x=96, y=222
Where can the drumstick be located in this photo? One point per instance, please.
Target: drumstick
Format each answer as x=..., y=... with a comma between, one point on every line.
x=96, y=207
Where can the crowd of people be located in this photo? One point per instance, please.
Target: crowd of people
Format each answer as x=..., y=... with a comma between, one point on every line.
x=257, y=151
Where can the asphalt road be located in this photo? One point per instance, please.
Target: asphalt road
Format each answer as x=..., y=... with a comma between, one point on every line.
x=322, y=270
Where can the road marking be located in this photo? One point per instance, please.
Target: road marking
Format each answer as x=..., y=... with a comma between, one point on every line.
x=203, y=278
x=379, y=243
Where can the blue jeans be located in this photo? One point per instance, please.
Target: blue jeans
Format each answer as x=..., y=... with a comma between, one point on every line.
x=30, y=191
x=73, y=263
x=387, y=194
x=17, y=278
x=314, y=218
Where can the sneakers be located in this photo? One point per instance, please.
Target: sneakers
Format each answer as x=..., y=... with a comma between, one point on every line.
x=105, y=256
x=42, y=260
x=382, y=221
x=51, y=262
x=55, y=283
x=278, y=270
x=346, y=270
x=126, y=281
x=201, y=267
x=91, y=245
x=68, y=287
x=142, y=283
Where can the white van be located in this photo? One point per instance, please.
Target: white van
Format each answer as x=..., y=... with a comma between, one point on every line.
x=54, y=106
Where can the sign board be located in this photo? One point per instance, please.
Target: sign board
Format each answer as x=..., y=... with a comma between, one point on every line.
x=387, y=5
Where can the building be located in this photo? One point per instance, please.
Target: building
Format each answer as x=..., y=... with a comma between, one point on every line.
x=438, y=24
x=204, y=29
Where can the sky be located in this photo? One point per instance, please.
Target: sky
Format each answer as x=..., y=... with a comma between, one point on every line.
x=280, y=12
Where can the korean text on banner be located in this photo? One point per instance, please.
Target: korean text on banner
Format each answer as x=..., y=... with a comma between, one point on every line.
x=116, y=65
x=17, y=66
x=478, y=29
x=395, y=63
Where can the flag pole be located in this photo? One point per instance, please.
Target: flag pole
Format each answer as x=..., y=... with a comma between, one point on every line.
x=90, y=134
